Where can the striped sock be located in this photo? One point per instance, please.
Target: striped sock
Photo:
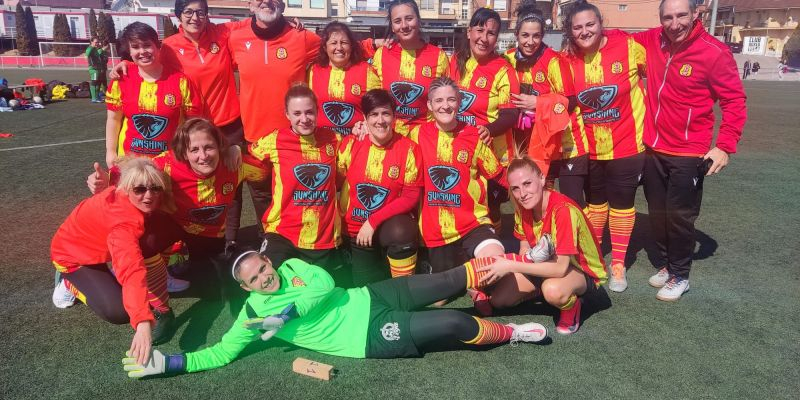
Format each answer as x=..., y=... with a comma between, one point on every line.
x=570, y=303
x=620, y=226
x=491, y=332
x=474, y=277
x=75, y=292
x=402, y=267
x=598, y=215
x=157, y=294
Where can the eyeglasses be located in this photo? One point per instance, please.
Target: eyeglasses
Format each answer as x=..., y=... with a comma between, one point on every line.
x=140, y=190
x=188, y=12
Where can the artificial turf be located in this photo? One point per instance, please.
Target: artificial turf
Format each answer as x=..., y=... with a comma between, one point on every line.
x=734, y=335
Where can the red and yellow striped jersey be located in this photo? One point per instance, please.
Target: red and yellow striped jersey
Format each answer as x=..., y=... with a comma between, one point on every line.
x=406, y=74
x=570, y=232
x=339, y=93
x=456, y=167
x=303, y=208
x=611, y=96
x=374, y=176
x=551, y=73
x=152, y=110
x=485, y=89
x=200, y=204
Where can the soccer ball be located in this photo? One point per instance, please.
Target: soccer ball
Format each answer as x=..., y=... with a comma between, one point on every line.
x=13, y=103
x=37, y=99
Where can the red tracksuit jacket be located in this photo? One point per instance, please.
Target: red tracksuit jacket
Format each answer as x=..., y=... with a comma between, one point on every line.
x=682, y=87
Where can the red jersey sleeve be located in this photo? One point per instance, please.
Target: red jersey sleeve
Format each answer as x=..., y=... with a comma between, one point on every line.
x=129, y=268
x=312, y=46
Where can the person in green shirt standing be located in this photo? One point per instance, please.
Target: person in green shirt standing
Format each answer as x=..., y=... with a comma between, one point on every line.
x=98, y=60
x=299, y=304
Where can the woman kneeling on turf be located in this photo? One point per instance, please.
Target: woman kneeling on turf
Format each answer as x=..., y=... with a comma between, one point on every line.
x=578, y=262
x=299, y=304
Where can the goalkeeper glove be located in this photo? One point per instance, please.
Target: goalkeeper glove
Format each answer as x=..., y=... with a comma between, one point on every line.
x=543, y=251
x=159, y=364
x=271, y=324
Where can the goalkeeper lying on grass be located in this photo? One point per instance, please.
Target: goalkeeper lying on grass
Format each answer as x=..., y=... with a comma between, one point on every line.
x=299, y=304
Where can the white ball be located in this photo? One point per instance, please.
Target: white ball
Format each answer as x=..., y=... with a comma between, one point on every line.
x=13, y=103
x=37, y=99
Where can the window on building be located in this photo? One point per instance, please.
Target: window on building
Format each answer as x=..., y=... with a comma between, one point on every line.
x=427, y=5
x=622, y=7
x=446, y=7
x=317, y=3
x=500, y=5
x=464, y=13
x=295, y=3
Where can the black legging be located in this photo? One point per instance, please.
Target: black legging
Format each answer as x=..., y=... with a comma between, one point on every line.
x=396, y=237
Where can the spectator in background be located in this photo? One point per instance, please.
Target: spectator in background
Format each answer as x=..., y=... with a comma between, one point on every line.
x=756, y=66
x=97, y=58
x=746, y=70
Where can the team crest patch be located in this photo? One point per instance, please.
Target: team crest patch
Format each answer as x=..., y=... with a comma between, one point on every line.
x=539, y=77
x=686, y=70
x=329, y=150
x=481, y=82
x=371, y=196
x=312, y=175
x=227, y=188
x=355, y=90
x=463, y=156
x=296, y=281
x=426, y=71
x=444, y=177
x=391, y=331
x=406, y=92
x=169, y=100
x=616, y=67
x=214, y=48
x=394, y=172
x=338, y=113
x=281, y=53
x=559, y=108
x=149, y=126
x=598, y=97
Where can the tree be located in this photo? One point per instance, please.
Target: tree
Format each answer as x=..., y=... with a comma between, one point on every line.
x=106, y=31
x=33, y=44
x=92, y=24
x=791, y=50
x=23, y=37
x=61, y=33
x=169, y=27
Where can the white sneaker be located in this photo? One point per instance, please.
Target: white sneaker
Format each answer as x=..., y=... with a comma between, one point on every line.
x=530, y=332
x=175, y=285
x=660, y=278
x=62, y=297
x=673, y=289
x=618, y=282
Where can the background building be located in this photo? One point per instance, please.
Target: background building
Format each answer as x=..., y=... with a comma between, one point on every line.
x=762, y=26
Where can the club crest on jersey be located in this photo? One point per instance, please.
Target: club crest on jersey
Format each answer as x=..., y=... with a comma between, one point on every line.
x=312, y=176
x=406, y=92
x=394, y=172
x=281, y=53
x=149, y=126
x=463, y=156
x=599, y=98
x=371, y=196
x=391, y=331
x=539, y=77
x=444, y=177
x=481, y=82
x=227, y=188
x=339, y=113
x=686, y=70
x=206, y=215
x=616, y=67
x=247, y=44
x=426, y=71
x=329, y=150
x=169, y=100
x=559, y=108
x=297, y=282
x=214, y=48
x=355, y=90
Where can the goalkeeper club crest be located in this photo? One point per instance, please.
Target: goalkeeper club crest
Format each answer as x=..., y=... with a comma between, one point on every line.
x=426, y=71
x=371, y=196
x=169, y=100
x=227, y=188
x=463, y=156
x=281, y=53
x=312, y=176
x=481, y=82
x=214, y=48
x=149, y=126
x=297, y=282
x=444, y=177
x=539, y=77
x=616, y=67
x=406, y=92
x=391, y=331
x=206, y=215
x=394, y=172
x=686, y=70
x=355, y=90
x=339, y=113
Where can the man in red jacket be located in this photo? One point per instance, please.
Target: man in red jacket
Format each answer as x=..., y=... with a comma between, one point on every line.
x=688, y=71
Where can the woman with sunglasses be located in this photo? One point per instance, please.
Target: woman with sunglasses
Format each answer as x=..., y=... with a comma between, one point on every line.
x=121, y=224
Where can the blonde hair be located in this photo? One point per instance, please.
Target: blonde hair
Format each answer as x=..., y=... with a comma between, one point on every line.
x=136, y=171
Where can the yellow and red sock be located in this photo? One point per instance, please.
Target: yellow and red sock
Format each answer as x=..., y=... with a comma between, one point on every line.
x=620, y=225
x=402, y=267
x=157, y=294
x=472, y=266
x=75, y=292
x=569, y=304
x=491, y=332
x=598, y=215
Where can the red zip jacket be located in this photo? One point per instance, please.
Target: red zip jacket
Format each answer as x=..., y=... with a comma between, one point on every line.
x=682, y=86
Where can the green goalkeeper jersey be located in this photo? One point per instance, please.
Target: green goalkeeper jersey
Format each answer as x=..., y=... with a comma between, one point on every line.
x=330, y=320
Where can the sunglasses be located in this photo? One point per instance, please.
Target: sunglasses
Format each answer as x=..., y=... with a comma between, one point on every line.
x=140, y=190
x=187, y=13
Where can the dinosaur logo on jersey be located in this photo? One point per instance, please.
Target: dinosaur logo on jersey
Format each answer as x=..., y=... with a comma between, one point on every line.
x=616, y=67
x=340, y=114
x=444, y=177
x=406, y=92
x=599, y=98
x=686, y=70
x=206, y=215
x=527, y=88
x=297, y=282
x=312, y=176
x=149, y=126
x=371, y=196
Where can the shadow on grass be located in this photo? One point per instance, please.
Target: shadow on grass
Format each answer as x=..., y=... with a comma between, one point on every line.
x=641, y=240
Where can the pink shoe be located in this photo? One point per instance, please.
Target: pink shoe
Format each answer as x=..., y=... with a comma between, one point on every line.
x=570, y=320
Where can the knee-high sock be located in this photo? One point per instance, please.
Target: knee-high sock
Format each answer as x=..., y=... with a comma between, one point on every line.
x=472, y=266
x=75, y=292
x=93, y=91
x=620, y=224
x=598, y=215
x=157, y=294
x=490, y=332
x=402, y=267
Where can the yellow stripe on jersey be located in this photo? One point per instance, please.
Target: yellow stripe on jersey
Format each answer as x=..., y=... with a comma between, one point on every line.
x=308, y=233
x=344, y=158
x=636, y=57
x=336, y=83
x=377, y=63
x=485, y=156
x=121, y=138
x=186, y=95
x=445, y=150
x=148, y=100
x=442, y=64
x=205, y=190
x=114, y=95
x=604, y=142
x=469, y=69
x=373, y=79
x=308, y=146
x=412, y=173
x=447, y=221
x=408, y=70
x=375, y=157
x=266, y=147
x=593, y=68
x=585, y=241
x=554, y=77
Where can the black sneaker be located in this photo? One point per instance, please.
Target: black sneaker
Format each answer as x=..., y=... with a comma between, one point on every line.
x=162, y=331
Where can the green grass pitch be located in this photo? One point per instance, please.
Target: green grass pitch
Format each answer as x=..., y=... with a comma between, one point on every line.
x=734, y=335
